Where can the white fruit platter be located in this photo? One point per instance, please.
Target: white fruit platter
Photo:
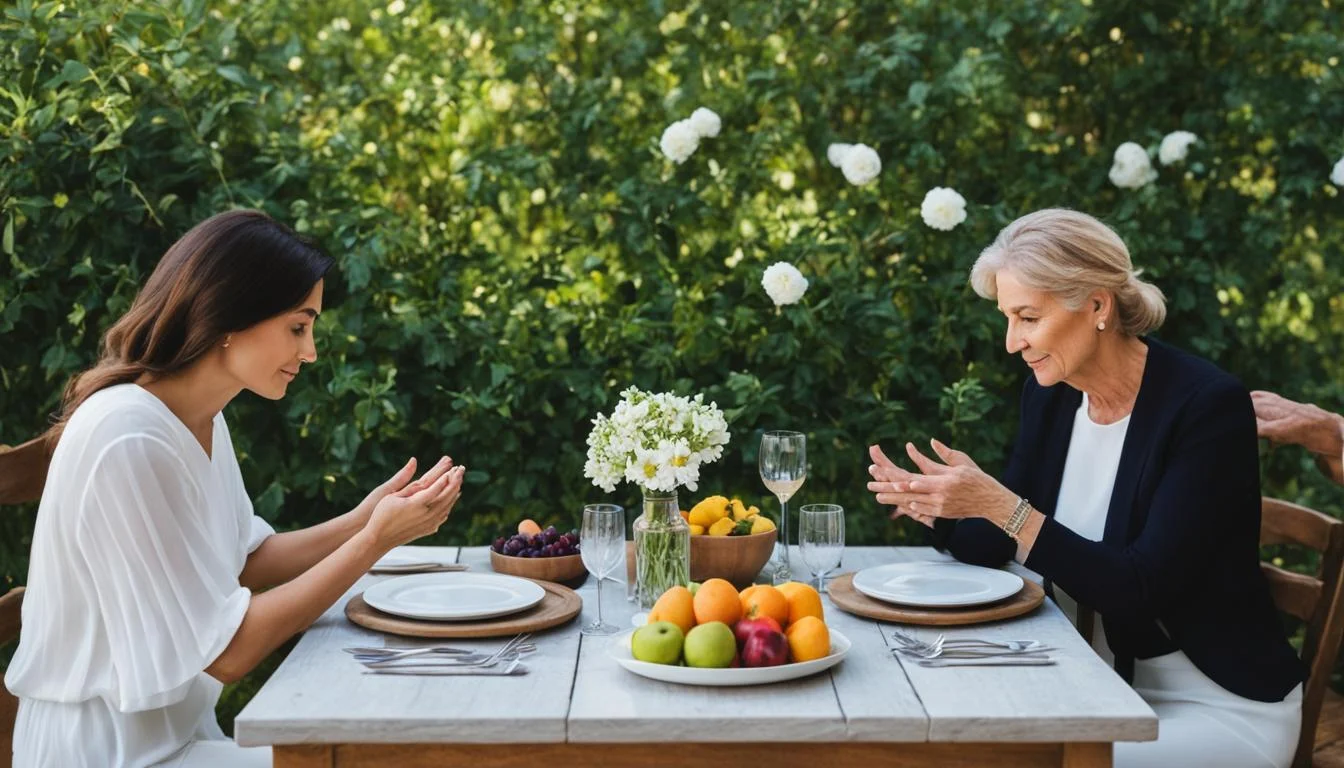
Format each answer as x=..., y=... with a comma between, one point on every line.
x=670, y=673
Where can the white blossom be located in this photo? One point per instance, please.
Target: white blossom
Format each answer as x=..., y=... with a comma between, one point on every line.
x=943, y=208
x=656, y=441
x=295, y=63
x=706, y=123
x=679, y=141
x=1131, y=168
x=835, y=153
x=396, y=7
x=1175, y=146
x=861, y=164
x=784, y=283
x=1337, y=175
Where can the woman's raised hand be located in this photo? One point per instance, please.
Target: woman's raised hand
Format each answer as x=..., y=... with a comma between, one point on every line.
x=419, y=508
x=954, y=488
x=400, y=483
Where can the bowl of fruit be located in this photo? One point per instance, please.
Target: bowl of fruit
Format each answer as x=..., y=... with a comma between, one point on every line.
x=541, y=554
x=729, y=540
x=712, y=634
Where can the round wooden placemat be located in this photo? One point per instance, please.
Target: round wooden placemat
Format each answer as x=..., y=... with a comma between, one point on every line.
x=558, y=606
x=849, y=599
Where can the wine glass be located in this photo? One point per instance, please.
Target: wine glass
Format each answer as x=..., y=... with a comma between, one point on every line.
x=821, y=538
x=602, y=545
x=783, y=463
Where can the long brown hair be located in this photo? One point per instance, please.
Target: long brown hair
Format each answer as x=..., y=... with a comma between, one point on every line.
x=226, y=274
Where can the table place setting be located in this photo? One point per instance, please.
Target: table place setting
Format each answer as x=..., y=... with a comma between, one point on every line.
x=446, y=660
x=407, y=560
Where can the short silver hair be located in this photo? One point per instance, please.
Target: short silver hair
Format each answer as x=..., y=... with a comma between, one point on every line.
x=1070, y=255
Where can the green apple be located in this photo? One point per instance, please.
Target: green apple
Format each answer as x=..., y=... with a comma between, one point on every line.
x=693, y=586
x=710, y=645
x=657, y=643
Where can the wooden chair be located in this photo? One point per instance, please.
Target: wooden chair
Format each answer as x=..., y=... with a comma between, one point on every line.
x=1318, y=601
x=23, y=472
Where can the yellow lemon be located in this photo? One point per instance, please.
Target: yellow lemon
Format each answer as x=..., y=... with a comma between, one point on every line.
x=761, y=524
x=722, y=527
x=697, y=530
x=709, y=511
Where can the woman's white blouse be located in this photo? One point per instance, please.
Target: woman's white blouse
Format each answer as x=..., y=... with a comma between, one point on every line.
x=132, y=586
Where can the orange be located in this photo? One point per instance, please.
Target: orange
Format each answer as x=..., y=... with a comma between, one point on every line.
x=803, y=601
x=717, y=600
x=809, y=639
x=764, y=600
x=677, y=606
x=529, y=527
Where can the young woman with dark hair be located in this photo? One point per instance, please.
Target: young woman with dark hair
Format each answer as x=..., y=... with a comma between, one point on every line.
x=146, y=556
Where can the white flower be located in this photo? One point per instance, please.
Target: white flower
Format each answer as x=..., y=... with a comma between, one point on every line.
x=835, y=153
x=706, y=123
x=861, y=164
x=396, y=7
x=784, y=283
x=657, y=441
x=943, y=208
x=370, y=148
x=1175, y=146
x=1337, y=175
x=341, y=23
x=679, y=141
x=1131, y=168
x=295, y=63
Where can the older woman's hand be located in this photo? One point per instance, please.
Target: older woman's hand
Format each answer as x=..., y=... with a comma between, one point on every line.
x=1281, y=420
x=955, y=489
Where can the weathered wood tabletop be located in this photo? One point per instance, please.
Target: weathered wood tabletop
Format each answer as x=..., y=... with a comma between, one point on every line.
x=578, y=707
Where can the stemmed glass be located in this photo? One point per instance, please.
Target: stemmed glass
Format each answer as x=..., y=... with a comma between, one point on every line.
x=783, y=464
x=821, y=538
x=602, y=545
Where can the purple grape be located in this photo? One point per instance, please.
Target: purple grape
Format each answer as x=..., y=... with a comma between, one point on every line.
x=498, y=546
x=513, y=547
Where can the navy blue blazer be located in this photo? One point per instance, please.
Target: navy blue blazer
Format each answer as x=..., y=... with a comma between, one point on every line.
x=1181, y=545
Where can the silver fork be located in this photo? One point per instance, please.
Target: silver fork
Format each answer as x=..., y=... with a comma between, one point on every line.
x=509, y=648
x=406, y=653
x=373, y=650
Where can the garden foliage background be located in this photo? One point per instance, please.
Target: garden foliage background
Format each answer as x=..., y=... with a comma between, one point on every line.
x=515, y=250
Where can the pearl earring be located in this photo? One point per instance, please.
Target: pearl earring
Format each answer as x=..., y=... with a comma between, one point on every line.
x=226, y=342
x=1100, y=327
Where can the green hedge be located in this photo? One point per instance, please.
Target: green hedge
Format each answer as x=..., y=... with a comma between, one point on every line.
x=515, y=250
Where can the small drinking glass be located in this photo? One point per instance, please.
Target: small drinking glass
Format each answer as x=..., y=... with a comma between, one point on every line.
x=602, y=545
x=783, y=465
x=821, y=538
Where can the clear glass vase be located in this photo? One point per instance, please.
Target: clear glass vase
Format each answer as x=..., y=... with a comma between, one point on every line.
x=662, y=548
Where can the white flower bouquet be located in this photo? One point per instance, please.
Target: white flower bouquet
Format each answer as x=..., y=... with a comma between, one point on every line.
x=657, y=441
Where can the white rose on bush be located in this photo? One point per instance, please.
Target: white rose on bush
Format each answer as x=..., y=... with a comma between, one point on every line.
x=860, y=164
x=784, y=283
x=1337, y=175
x=943, y=208
x=679, y=141
x=835, y=153
x=706, y=123
x=1175, y=146
x=1131, y=168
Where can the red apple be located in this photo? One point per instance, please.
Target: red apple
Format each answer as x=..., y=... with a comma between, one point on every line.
x=765, y=649
x=745, y=628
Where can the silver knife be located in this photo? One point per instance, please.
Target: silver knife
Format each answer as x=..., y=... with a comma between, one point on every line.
x=1019, y=661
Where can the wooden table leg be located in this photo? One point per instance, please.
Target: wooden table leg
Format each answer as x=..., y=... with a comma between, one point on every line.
x=303, y=756
x=1087, y=755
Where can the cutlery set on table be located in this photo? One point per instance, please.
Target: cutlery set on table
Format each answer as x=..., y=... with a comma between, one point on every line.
x=945, y=594
x=446, y=660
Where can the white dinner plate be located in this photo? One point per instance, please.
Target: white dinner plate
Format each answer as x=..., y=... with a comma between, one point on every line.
x=669, y=673
x=454, y=596
x=402, y=562
x=937, y=585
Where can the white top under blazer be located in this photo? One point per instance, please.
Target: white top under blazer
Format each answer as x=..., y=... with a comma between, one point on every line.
x=132, y=587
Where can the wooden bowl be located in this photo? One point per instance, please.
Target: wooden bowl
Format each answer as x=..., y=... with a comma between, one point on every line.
x=568, y=570
x=738, y=559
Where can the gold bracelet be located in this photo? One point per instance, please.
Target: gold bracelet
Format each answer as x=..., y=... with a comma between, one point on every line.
x=1018, y=519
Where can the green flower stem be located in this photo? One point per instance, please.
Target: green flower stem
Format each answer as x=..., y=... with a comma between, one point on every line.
x=662, y=548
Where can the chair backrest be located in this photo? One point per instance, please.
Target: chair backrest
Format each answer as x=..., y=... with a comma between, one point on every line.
x=23, y=473
x=1314, y=600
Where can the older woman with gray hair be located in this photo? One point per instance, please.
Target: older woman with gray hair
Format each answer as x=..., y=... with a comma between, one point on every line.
x=1133, y=488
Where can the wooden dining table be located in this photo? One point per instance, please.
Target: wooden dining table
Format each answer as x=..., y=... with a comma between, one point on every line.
x=577, y=706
